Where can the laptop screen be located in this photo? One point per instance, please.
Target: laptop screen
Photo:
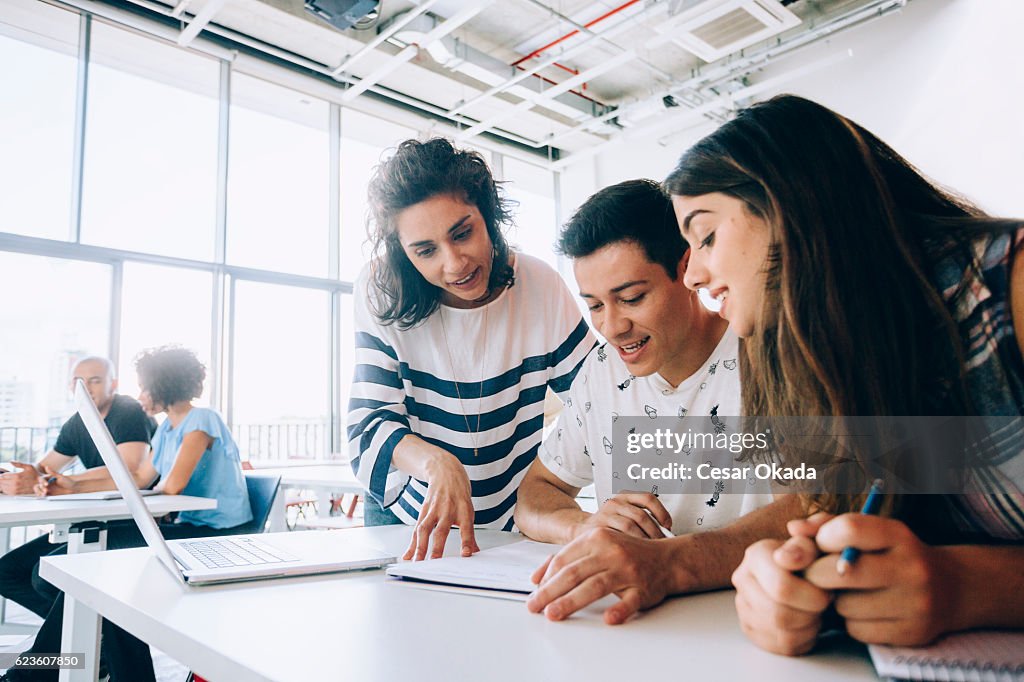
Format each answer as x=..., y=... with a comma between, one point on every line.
x=122, y=477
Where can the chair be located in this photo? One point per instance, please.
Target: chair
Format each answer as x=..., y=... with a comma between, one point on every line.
x=262, y=490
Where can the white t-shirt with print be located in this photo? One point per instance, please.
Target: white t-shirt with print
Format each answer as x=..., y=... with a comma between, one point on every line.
x=578, y=449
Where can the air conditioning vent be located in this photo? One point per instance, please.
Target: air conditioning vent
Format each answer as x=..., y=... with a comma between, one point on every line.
x=715, y=28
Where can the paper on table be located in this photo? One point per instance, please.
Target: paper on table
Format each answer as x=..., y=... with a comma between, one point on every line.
x=98, y=495
x=982, y=655
x=507, y=568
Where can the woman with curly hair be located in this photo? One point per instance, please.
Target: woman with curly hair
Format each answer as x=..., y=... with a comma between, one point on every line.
x=457, y=340
x=193, y=450
x=193, y=454
x=862, y=289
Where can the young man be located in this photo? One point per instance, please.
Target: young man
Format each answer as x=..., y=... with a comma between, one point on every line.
x=131, y=430
x=665, y=355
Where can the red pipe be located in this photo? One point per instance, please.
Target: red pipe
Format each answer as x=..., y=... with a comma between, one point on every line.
x=574, y=32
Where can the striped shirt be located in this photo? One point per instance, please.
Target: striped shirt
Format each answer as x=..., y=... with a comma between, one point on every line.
x=979, y=301
x=484, y=391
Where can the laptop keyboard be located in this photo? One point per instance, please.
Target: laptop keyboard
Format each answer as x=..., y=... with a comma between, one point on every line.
x=225, y=553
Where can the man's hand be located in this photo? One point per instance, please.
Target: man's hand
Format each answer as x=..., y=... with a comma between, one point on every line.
x=636, y=514
x=448, y=501
x=54, y=483
x=20, y=482
x=780, y=611
x=598, y=563
x=900, y=591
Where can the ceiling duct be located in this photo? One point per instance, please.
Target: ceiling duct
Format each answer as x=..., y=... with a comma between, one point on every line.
x=456, y=55
x=715, y=28
x=344, y=14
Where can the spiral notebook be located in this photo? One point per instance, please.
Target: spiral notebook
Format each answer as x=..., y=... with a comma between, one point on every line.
x=982, y=656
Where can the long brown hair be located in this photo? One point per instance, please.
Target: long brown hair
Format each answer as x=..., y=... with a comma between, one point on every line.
x=851, y=323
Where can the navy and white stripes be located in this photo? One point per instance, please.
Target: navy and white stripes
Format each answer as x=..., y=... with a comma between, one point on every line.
x=503, y=357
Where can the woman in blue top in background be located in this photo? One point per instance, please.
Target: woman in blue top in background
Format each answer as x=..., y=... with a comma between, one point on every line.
x=193, y=451
x=193, y=454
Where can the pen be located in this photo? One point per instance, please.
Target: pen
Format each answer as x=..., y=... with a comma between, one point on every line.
x=664, y=531
x=871, y=505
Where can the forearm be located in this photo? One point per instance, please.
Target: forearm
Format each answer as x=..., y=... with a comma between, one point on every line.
x=94, y=474
x=547, y=514
x=988, y=586
x=417, y=457
x=706, y=561
x=91, y=481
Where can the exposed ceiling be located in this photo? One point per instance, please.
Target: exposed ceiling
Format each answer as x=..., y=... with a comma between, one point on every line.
x=564, y=74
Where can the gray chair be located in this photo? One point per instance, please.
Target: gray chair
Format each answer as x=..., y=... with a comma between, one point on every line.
x=262, y=490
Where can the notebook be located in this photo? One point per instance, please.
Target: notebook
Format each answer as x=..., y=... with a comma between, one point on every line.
x=222, y=559
x=505, y=569
x=984, y=655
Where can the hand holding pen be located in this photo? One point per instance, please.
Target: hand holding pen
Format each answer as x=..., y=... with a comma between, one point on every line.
x=871, y=506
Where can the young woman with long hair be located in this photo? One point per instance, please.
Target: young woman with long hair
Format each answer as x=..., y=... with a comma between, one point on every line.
x=861, y=288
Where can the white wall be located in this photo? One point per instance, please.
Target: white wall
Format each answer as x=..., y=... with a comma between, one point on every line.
x=942, y=82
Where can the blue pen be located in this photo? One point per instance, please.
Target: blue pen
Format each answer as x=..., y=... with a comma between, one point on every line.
x=871, y=505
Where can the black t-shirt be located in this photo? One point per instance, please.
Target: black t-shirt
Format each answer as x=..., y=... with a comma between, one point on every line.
x=126, y=421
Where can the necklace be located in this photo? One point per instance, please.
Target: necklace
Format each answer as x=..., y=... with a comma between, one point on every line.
x=480, y=398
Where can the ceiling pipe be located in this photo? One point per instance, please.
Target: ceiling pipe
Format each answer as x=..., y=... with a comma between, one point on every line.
x=180, y=7
x=694, y=115
x=665, y=36
x=582, y=46
x=410, y=51
x=579, y=28
x=538, y=99
x=168, y=34
x=732, y=70
x=201, y=20
x=455, y=55
x=389, y=31
x=585, y=30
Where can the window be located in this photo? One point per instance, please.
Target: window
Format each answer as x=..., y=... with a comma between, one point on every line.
x=281, y=378
x=365, y=142
x=347, y=359
x=60, y=314
x=38, y=45
x=163, y=306
x=278, y=179
x=535, y=230
x=150, y=173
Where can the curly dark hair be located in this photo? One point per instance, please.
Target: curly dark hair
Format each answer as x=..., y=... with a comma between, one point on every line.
x=170, y=374
x=416, y=172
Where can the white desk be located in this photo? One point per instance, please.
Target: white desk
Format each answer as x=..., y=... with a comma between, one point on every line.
x=325, y=479
x=280, y=630
x=32, y=511
x=63, y=514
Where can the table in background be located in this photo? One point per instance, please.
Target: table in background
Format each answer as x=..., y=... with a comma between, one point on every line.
x=280, y=629
x=66, y=515
x=324, y=478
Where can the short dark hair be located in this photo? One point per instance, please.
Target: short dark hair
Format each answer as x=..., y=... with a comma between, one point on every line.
x=637, y=211
x=170, y=374
x=416, y=172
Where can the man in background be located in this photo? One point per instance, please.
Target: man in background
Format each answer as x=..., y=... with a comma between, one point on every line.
x=131, y=429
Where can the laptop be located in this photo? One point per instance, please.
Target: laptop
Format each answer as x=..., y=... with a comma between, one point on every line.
x=230, y=558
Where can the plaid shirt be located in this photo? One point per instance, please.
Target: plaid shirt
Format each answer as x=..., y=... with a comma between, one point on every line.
x=979, y=301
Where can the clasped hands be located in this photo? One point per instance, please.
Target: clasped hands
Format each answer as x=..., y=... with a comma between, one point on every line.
x=900, y=591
